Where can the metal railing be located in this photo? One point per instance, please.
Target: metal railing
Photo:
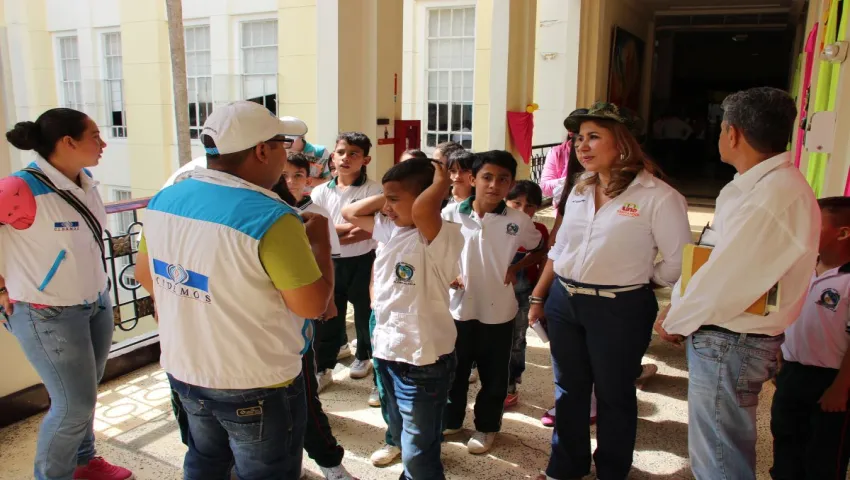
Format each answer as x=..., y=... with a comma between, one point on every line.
x=131, y=303
x=538, y=158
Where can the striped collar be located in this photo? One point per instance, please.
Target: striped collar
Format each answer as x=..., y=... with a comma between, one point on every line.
x=304, y=203
x=465, y=207
x=360, y=180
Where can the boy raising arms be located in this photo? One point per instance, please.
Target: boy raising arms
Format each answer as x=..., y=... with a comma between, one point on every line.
x=809, y=415
x=353, y=268
x=414, y=337
x=483, y=304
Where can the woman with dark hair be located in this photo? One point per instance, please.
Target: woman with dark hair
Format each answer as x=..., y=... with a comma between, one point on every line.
x=556, y=169
x=54, y=288
x=597, y=291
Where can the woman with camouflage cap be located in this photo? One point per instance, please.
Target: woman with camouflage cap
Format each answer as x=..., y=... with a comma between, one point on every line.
x=596, y=290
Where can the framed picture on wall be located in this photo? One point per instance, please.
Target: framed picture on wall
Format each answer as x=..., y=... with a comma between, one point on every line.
x=626, y=69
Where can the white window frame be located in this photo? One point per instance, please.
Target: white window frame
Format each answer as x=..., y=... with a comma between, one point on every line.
x=425, y=36
x=196, y=126
x=76, y=85
x=120, y=223
x=273, y=76
x=115, y=131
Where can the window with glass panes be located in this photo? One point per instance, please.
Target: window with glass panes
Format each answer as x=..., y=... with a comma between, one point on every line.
x=71, y=76
x=449, y=70
x=259, y=63
x=199, y=77
x=116, y=116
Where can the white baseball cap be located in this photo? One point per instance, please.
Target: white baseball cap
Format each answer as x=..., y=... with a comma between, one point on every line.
x=241, y=125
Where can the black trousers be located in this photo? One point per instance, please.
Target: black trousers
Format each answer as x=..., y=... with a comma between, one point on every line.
x=319, y=441
x=808, y=443
x=351, y=284
x=489, y=346
x=596, y=341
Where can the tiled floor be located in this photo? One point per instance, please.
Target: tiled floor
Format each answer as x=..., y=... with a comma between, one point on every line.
x=135, y=427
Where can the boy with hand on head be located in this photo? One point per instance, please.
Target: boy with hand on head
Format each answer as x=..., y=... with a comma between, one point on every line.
x=353, y=268
x=526, y=197
x=414, y=337
x=810, y=419
x=482, y=301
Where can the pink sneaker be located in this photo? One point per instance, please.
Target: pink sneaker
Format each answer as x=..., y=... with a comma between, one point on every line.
x=512, y=399
x=548, y=418
x=100, y=469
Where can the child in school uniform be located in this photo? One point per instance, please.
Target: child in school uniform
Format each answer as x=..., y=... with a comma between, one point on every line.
x=352, y=269
x=319, y=441
x=460, y=171
x=483, y=304
x=526, y=197
x=414, y=336
x=810, y=418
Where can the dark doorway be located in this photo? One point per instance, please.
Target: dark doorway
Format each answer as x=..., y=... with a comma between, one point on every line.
x=693, y=73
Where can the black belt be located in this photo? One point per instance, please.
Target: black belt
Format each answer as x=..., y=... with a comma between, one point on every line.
x=715, y=328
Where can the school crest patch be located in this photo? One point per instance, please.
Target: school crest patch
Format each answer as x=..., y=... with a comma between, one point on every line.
x=404, y=273
x=512, y=229
x=829, y=298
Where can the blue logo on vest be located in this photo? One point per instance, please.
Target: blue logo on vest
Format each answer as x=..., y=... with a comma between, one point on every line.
x=175, y=279
x=829, y=298
x=66, y=226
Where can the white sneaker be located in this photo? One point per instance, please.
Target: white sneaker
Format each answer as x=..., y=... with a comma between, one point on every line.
x=451, y=431
x=344, y=352
x=360, y=368
x=325, y=379
x=374, y=398
x=336, y=473
x=385, y=455
x=480, y=442
x=473, y=375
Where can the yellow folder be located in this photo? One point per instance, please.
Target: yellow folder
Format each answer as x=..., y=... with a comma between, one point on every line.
x=695, y=256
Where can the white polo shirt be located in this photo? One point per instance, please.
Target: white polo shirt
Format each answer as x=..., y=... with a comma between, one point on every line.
x=412, y=320
x=490, y=244
x=618, y=244
x=821, y=334
x=306, y=205
x=333, y=197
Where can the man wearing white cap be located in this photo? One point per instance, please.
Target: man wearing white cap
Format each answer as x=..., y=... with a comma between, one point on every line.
x=234, y=276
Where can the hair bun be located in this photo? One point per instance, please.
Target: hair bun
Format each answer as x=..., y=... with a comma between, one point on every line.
x=25, y=135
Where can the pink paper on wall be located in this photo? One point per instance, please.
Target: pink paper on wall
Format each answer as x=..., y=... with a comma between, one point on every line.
x=807, y=83
x=521, y=125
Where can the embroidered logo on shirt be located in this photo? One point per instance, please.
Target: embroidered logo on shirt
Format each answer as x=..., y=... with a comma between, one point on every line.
x=66, y=226
x=512, y=229
x=829, y=298
x=404, y=273
x=629, y=210
x=175, y=279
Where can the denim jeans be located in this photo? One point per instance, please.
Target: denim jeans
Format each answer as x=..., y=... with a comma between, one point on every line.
x=726, y=374
x=417, y=397
x=522, y=293
x=260, y=430
x=68, y=346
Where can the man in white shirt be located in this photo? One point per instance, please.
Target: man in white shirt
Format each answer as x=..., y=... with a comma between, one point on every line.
x=765, y=232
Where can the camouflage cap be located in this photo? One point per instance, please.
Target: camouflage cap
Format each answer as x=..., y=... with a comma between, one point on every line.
x=605, y=111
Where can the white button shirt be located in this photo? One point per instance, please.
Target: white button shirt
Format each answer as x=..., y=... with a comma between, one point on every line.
x=821, y=334
x=490, y=244
x=618, y=244
x=412, y=320
x=333, y=197
x=766, y=226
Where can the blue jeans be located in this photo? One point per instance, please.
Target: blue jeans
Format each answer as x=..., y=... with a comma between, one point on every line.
x=417, y=397
x=68, y=346
x=726, y=374
x=520, y=330
x=261, y=430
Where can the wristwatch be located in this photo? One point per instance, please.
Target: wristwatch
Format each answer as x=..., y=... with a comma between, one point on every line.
x=532, y=300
